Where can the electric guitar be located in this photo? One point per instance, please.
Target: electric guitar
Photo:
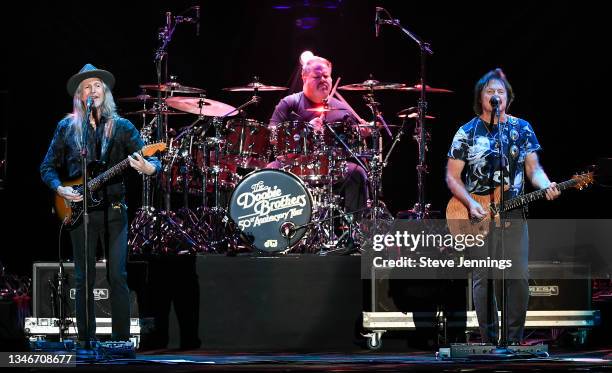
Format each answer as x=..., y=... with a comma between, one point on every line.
x=70, y=212
x=458, y=216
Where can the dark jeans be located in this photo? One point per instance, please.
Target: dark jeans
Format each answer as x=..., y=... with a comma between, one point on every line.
x=105, y=226
x=487, y=294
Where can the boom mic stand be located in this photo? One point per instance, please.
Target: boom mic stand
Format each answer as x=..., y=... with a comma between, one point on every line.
x=420, y=209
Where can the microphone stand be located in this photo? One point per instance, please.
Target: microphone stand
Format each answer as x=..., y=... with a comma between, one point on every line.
x=502, y=347
x=420, y=209
x=85, y=194
x=161, y=55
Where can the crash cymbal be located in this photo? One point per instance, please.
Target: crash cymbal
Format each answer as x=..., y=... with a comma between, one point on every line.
x=172, y=87
x=412, y=112
x=371, y=84
x=260, y=87
x=139, y=98
x=154, y=112
x=417, y=88
x=323, y=109
x=209, y=108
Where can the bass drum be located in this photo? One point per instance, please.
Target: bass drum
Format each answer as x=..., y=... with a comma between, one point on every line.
x=270, y=208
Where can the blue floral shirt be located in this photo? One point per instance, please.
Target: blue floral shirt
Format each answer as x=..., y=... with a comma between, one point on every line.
x=479, y=149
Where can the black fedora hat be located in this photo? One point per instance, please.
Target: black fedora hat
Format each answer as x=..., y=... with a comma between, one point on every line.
x=89, y=71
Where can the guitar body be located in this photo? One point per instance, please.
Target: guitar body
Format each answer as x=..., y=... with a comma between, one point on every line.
x=458, y=215
x=70, y=212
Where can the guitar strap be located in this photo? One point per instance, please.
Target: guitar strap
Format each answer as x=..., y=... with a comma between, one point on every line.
x=108, y=144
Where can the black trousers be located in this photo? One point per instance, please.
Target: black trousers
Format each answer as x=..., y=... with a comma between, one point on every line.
x=487, y=282
x=173, y=280
x=109, y=227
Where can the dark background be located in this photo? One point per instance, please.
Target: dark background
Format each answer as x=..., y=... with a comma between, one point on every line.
x=550, y=52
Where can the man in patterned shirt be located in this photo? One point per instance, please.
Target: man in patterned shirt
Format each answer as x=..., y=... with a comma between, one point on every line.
x=475, y=150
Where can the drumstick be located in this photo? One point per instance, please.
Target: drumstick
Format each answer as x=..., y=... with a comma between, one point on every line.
x=339, y=97
x=333, y=91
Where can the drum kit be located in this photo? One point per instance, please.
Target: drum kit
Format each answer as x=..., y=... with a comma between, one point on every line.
x=271, y=186
x=259, y=188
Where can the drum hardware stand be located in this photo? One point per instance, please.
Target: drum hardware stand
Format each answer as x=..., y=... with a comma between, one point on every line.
x=332, y=205
x=421, y=208
x=288, y=230
x=397, y=139
x=146, y=211
x=375, y=171
x=211, y=218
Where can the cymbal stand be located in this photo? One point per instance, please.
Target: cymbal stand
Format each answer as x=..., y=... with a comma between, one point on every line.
x=375, y=171
x=420, y=209
x=396, y=140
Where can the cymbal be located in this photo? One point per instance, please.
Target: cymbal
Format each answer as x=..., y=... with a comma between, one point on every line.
x=414, y=116
x=370, y=125
x=191, y=105
x=412, y=112
x=143, y=97
x=323, y=109
x=417, y=88
x=172, y=87
x=153, y=112
x=260, y=87
x=371, y=84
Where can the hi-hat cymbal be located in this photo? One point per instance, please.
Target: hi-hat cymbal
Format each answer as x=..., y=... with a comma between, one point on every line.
x=412, y=112
x=417, y=88
x=154, y=112
x=323, y=109
x=203, y=106
x=256, y=85
x=139, y=98
x=371, y=84
x=172, y=87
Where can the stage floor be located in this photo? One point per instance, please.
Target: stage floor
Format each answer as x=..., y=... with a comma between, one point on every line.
x=162, y=360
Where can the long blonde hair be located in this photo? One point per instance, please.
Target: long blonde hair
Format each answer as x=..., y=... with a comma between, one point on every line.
x=109, y=111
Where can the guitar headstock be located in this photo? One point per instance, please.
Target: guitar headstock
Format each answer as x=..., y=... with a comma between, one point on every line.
x=583, y=180
x=149, y=150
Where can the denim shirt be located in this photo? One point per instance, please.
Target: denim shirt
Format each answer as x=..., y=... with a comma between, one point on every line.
x=63, y=159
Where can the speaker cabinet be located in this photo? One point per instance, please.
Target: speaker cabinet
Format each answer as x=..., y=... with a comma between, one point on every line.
x=45, y=297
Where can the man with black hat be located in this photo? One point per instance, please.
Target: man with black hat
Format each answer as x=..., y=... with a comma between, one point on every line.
x=110, y=140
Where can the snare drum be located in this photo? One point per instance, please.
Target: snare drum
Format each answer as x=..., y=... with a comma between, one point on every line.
x=247, y=143
x=271, y=209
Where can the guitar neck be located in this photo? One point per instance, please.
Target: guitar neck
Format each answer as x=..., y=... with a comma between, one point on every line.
x=523, y=200
x=97, y=182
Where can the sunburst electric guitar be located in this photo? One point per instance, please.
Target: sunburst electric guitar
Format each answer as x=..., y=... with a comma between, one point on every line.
x=460, y=222
x=70, y=212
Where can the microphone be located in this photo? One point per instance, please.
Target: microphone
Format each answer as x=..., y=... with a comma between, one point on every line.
x=197, y=9
x=287, y=229
x=495, y=101
x=90, y=101
x=377, y=21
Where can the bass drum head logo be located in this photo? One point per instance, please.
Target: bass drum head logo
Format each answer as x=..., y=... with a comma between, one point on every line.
x=270, y=207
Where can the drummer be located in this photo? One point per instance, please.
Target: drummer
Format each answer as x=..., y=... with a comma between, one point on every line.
x=316, y=76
